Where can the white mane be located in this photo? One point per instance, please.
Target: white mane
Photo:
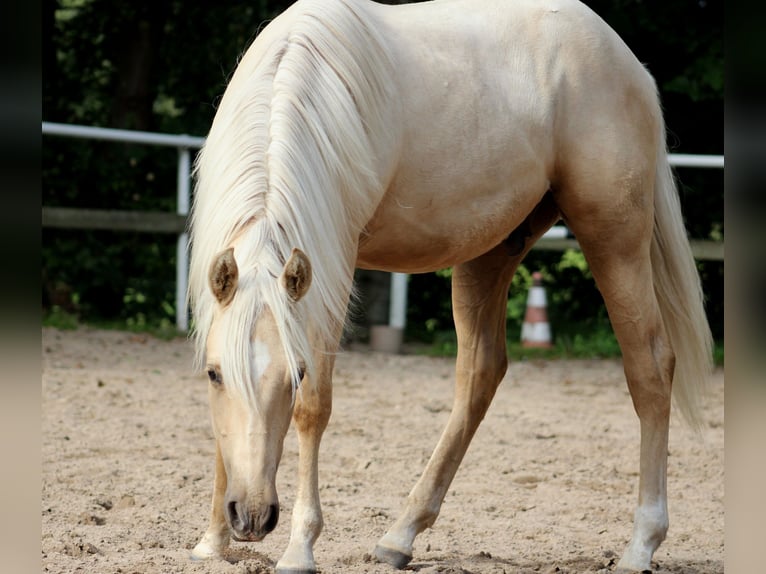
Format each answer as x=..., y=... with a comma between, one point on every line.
x=290, y=162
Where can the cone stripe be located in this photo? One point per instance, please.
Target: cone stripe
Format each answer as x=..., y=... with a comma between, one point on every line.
x=536, y=297
x=535, y=315
x=536, y=331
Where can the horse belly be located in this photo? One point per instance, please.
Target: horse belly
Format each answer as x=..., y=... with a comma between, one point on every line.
x=439, y=213
x=432, y=229
x=407, y=252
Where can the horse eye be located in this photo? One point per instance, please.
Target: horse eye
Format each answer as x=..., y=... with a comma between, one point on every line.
x=301, y=373
x=213, y=376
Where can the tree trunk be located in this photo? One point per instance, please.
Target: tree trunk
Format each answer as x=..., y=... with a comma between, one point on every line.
x=136, y=66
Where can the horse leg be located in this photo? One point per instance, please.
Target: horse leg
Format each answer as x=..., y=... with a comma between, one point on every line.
x=648, y=362
x=312, y=412
x=617, y=250
x=217, y=537
x=479, y=298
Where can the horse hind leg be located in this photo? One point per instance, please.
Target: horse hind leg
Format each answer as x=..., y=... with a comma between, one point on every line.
x=479, y=298
x=479, y=292
x=616, y=242
x=649, y=363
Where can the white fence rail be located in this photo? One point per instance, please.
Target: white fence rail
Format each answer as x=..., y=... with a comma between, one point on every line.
x=70, y=218
x=184, y=144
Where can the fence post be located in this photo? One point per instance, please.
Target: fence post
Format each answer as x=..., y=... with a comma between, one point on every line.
x=398, y=308
x=182, y=254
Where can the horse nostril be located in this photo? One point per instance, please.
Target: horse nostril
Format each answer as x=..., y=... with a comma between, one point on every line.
x=235, y=519
x=245, y=524
x=272, y=518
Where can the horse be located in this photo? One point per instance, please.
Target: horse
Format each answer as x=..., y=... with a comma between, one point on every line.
x=411, y=138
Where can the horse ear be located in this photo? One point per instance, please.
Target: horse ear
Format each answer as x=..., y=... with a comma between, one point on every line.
x=296, y=277
x=223, y=276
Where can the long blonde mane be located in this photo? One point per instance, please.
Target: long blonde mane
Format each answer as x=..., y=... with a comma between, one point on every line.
x=290, y=162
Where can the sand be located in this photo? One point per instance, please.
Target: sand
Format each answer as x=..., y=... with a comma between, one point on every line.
x=549, y=483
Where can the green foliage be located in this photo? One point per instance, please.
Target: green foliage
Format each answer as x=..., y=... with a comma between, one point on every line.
x=109, y=276
x=517, y=299
x=158, y=66
x=588, y=343
x=573, y=299
x=702, y=79
x=585, y=342
x=66, y=321
x=576, y=312
x=60, y=319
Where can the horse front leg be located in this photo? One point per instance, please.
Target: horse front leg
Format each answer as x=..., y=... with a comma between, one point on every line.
x=216, y=539
x=479, y=294
x=312, y=412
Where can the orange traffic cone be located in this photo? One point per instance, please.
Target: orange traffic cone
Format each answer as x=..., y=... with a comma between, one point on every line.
x=536, y=331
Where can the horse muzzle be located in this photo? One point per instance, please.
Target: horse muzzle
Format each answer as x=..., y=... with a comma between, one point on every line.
x=249, y=526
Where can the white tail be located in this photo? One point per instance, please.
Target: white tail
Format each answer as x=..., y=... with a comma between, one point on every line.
x=679, y=293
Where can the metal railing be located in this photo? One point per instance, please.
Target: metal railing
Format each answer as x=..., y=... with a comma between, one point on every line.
x=176, y=223
x=184, y=144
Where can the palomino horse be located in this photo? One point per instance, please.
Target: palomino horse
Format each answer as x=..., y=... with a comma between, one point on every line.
x=412, y=138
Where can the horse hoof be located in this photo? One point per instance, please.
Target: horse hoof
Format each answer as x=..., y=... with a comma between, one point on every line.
x=390, y=556
x=203, y=552
x=294, y=571
x=199, y=557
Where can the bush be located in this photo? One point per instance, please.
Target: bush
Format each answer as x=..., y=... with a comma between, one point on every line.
x=576, y=311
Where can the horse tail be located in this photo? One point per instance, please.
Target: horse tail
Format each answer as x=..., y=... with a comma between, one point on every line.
x=679, y=294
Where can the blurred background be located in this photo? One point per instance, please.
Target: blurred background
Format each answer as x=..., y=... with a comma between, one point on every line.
x=162, y=66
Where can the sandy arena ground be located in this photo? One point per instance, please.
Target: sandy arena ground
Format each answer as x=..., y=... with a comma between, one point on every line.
x=548, y=485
